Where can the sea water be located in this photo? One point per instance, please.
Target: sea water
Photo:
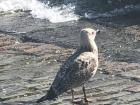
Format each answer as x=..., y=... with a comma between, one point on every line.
x=40, y=10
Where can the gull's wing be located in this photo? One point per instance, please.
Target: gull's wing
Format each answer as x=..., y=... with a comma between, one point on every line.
x=75, y=71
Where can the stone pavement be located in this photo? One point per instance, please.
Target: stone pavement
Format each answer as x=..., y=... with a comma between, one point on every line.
x=27, y=70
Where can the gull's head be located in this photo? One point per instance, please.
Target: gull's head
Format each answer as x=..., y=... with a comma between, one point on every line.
x=89, y=32
x=87, y=36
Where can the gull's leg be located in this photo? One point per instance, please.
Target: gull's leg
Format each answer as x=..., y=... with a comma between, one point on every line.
x=85, y=97
x=72, y=93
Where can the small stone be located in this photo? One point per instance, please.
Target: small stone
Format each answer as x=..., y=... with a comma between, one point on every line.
x=25, y=95
x=27, y=63
x=57, y=51
x=55, y=60
x=4, y=90
x=17, y=42
x=135, y=88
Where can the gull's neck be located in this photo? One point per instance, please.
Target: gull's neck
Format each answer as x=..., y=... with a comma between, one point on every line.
x=88, y=46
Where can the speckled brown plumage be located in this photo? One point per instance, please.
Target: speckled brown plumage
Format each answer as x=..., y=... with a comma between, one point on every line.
x=78, y=68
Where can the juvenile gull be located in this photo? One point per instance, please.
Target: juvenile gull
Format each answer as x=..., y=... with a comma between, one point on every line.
x=77, y=69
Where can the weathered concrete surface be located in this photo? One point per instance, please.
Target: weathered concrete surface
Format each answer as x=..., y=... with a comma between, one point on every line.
x=32, y=50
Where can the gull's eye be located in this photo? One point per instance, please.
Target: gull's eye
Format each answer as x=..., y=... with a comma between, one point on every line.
x=92, y=33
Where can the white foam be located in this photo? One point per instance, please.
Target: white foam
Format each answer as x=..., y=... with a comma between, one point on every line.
x=40, y=10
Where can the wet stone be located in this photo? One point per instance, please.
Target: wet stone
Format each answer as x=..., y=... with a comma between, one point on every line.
x=30, y=59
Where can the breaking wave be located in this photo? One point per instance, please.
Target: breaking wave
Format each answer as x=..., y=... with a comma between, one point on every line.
x=40, y=10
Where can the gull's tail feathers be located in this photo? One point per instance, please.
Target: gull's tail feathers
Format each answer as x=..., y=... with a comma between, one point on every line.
x=51, y=95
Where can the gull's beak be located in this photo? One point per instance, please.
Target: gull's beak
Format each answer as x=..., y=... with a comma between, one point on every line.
x=97, y=31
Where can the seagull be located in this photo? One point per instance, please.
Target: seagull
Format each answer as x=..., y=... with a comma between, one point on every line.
x=77, y=69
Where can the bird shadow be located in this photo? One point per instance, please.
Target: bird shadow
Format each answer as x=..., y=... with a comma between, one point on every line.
x=81, y=102
x=20, y=103
x=78, y=101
